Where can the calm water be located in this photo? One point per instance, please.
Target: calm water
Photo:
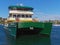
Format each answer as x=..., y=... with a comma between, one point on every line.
x=55, y=38
x=55, y=35
x=3, y=38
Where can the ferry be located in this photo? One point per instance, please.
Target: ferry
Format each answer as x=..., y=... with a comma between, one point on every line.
x=20, y=22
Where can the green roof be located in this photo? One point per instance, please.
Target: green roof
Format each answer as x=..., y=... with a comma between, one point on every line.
x=11, y=7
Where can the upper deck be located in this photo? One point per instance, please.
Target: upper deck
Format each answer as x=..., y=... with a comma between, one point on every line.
x=24, y=8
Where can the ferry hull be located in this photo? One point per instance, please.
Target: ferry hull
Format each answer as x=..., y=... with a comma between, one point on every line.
x=25, y=28
x=32, y=32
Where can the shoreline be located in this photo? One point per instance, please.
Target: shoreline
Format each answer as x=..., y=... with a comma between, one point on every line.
x=56, y=24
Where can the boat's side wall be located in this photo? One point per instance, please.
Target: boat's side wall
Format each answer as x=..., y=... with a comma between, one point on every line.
x=12, y=29
x=47, y=28
x=30, y=24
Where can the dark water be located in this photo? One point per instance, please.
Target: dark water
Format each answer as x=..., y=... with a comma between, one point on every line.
x=33, y=39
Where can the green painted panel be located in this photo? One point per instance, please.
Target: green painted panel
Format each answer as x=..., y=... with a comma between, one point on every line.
x=30, y=24
x=47, y=28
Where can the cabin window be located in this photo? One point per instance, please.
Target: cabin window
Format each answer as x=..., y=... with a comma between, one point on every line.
x=14, y=15
x=30, y=16
x=18, y=15
x=22, y=15
x=10, y=15
x=26, y=16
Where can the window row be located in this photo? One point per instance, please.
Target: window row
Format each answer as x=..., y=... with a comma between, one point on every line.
x=20, y=15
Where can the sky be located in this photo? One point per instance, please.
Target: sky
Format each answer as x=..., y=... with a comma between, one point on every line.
x=43, y=9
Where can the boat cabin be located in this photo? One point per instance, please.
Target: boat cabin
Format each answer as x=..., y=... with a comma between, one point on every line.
x=20, y=14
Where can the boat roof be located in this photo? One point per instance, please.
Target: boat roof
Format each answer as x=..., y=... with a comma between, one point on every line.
x=24, y=7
